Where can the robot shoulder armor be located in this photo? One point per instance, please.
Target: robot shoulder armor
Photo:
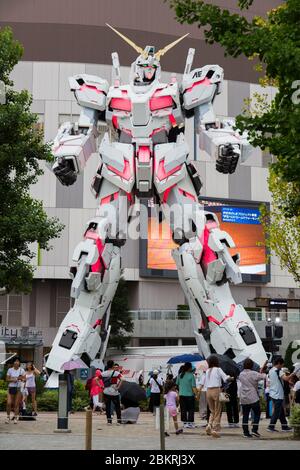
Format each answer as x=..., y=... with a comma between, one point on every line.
x=90, y=91
x=209, y=74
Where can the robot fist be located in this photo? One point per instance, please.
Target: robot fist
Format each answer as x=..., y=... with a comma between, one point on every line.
x=64, y=170
x=227, y=159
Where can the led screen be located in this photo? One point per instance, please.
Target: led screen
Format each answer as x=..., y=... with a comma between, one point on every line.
x=239, y=219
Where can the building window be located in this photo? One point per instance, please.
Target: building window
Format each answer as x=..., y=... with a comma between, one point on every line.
x=63, y=301
x=11, y=310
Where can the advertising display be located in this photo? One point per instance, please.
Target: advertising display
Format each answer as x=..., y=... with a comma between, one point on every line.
x=238, y=218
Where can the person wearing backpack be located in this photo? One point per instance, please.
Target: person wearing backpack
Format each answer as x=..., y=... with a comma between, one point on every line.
x=156, y=387
x=112, y=380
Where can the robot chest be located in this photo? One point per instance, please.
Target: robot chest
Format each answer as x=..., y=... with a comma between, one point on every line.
x=140, y=110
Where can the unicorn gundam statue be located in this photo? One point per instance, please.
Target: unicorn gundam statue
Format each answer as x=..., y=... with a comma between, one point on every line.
x=144, y=154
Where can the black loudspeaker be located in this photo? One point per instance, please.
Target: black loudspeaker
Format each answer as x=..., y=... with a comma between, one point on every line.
x=278, y=331
x=269, y=333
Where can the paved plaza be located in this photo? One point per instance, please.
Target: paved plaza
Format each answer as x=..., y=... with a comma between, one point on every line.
x=39, y=435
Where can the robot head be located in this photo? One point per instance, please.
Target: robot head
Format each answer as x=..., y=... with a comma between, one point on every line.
x=146, y=68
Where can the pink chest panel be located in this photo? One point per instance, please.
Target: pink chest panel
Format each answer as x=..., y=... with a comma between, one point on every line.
x=160, y=102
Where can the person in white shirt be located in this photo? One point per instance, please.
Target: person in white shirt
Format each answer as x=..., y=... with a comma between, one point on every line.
x=15, y=376
x=156, y=387
x=276, y=378
x=213, y=383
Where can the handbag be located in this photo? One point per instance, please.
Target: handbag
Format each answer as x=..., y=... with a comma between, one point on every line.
x=224, y=397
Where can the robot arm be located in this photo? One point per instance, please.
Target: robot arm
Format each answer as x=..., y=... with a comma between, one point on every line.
x=225, y=144
x=199, y=89
x=75, y=142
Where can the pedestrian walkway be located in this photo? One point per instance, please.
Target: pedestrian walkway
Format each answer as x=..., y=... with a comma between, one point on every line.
x=33, y=435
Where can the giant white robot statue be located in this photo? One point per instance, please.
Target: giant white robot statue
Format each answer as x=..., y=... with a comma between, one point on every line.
x=145, y=154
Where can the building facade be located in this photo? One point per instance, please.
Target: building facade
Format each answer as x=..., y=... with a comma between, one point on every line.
x=63, y=38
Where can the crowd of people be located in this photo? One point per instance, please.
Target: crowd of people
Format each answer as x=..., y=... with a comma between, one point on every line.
x=212, y=388
x=241, y=396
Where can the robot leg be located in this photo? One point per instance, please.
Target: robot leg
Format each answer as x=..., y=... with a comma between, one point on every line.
x=83, y=332
x=205, y=268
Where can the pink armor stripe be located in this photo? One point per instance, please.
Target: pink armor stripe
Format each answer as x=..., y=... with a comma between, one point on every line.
x=167, y=192
x=185, y=194
x=123, y=104
x=115, y=122
x=230, y=315
x=205, y=82
x=208, y=255
x=90, y=87
x=126, y=173
x=160, y=102
x=144, y=154
x=161, y=172
x=99, y=266
x=172, y=120
x=110, y=198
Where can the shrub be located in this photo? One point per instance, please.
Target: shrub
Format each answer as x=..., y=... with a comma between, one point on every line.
x=48, y=401
x=295, y=416
x=79, y=387
x=3, y=395
x=144, y=405
x=40, y=385
x=3, y=384
x=78, y=404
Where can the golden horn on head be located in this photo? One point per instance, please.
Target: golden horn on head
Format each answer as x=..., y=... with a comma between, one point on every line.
x=162, y=52
x=126, y=39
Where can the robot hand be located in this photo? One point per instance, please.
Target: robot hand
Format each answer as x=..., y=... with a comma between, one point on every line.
x=228, y=158
x=64, y=170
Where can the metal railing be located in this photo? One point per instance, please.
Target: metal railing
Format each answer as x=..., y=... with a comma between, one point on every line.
x=185, y=315
x=160, y=314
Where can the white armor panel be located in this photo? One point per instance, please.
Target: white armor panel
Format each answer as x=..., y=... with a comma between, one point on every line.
x=201, y=85
x=90, y=91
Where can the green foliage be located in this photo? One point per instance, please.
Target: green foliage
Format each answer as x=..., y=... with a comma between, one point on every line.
x=283, y=231
x=79, y=386
x=23, y=219
x=78, y=403
x=40, y=385
x=120, y=320
x=295, y=416
x=288, y=362
x=3, y=399
x=3, y=384
x=275, y=42
x=48, y=401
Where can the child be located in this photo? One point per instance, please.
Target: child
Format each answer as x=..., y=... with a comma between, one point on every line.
x=172, y=400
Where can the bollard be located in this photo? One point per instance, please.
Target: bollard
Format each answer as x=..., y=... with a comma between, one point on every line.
x=162, y=426
x=62, y=417
x=88, y=429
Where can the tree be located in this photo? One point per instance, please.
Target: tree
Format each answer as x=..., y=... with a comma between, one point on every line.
x=283, y=233
x=120, y=320
x=288, y=358
x=22, y=218
x=275, y=42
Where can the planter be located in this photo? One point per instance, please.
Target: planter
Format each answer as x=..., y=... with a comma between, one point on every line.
x=297, y=432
